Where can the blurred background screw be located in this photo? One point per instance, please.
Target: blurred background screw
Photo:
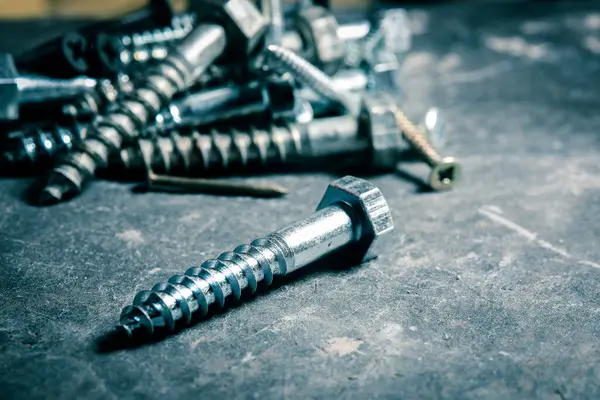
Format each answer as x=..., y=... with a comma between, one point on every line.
x=280, y=59
x=444, y=171
x=154, y=44
x=371, y=141
x=268, y=99
x=130, y=114
x=273, y=12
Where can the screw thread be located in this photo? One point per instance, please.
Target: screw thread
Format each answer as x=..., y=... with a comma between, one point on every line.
x=310, y=76
x=195, y=153
x=186, y=296
x=153, y=44
x=121, y=124
x=36, y=147
x=416, y=138
x=97, y=101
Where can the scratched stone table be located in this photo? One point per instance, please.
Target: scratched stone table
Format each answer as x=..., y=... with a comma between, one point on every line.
x=488, y=291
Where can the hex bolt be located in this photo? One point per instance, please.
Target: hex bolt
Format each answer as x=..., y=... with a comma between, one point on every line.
x=282, y=59
x=153, y=91
x=371, y=141
x=350, y=218
x=444, y=171
x=18, y=90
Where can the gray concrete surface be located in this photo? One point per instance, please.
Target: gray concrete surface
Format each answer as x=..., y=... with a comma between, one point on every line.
x=488, y=291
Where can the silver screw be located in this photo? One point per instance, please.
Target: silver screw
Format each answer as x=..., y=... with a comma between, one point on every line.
x=122, y=122
x=372, y=140
x=153, y=91
x=445, y=171
x=351, y=216
x=279, y=58
x=273, y=98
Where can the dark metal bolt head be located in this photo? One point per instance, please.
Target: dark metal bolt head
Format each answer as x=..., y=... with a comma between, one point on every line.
x=372, y=211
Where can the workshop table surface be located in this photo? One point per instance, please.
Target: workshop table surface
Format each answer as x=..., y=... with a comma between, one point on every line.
x=487, y=291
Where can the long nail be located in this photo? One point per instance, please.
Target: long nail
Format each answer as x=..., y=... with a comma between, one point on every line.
x=212, y=186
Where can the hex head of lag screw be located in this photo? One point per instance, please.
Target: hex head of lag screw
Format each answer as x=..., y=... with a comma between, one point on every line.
x=272, y=99
x=153, y=90
x=154, y=44
x=316, y=37
x=350, y=218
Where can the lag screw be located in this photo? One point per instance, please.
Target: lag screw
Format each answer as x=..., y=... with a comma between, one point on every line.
x=349, y=220
x=281, y=59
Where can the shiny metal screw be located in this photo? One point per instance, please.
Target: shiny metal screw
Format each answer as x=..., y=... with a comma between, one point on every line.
x=349, y=219
x=282, y=59
x=371, y=141
x=270, y=99
x=444, y=171
x=154, y=44
x=154, y=90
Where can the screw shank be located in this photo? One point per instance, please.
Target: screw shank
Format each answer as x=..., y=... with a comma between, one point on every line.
x=38, y=89
x=335, y=136
x=323, y=232
x=414, y=136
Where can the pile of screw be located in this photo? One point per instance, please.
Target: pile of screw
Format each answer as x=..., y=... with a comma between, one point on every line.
x=226, y=87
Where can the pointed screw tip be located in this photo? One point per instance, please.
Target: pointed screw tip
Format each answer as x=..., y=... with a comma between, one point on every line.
x=50, y=195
